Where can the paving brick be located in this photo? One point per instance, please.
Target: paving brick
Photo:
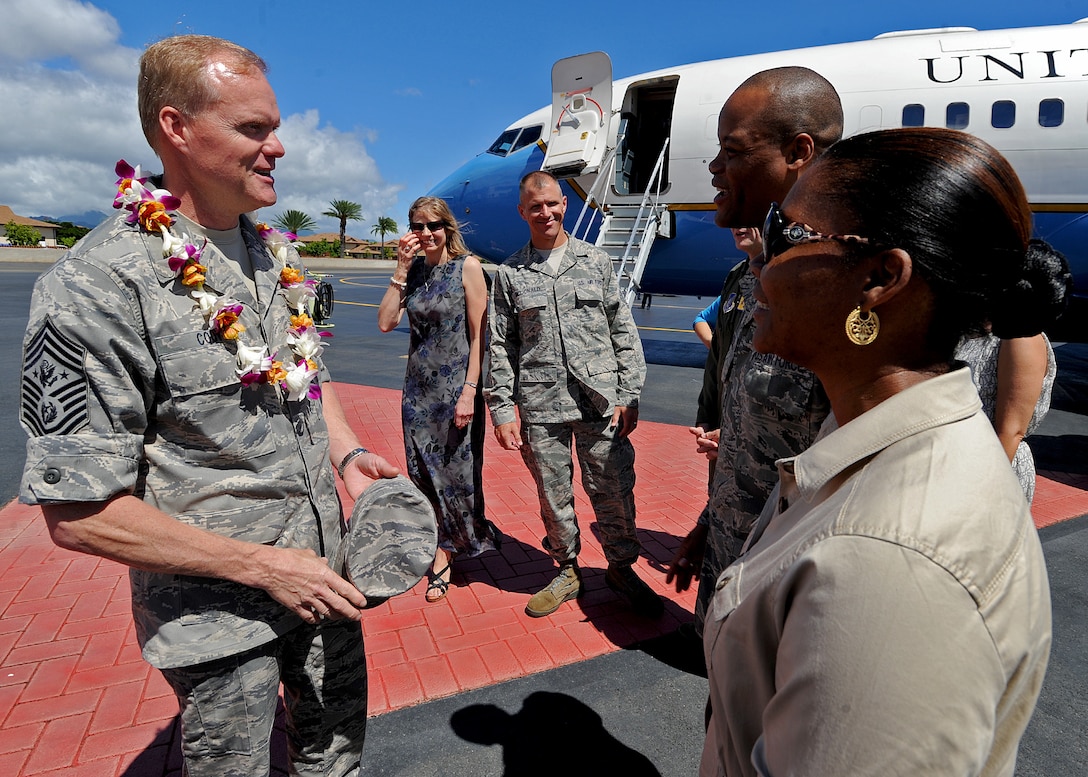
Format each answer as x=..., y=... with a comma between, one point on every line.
x=21, y=737
x=104, y=677
x=500, y=661
x=117, y=709
x=45, y=651
x=59, y=745
x=418, y=643
x=102, y=650
x=402, y=686
x=50, y=678
x=120, y=742
x=469, y=668
x=437, y=678
x=12, y=763
x=42, y=710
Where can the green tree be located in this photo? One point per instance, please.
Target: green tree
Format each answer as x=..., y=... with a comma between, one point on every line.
x=22, y=235
x=384, y=226
x=294, y=221
x=67, y=230
x=319, y=248
x=344, y=210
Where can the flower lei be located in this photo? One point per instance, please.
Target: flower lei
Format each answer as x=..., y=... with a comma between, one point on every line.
x=151, y=208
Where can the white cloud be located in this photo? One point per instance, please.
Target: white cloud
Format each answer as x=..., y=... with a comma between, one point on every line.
x=68, y=113
x=324, y=164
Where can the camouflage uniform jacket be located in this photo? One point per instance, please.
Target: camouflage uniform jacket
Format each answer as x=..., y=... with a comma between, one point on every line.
x=126, y=391
x=770, y=409
x=557, y=338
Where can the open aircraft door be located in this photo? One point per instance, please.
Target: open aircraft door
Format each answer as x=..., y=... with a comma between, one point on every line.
x=581, y=112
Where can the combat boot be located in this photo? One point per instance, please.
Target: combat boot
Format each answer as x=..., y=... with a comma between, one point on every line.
x=566, y=585
x=624, y=581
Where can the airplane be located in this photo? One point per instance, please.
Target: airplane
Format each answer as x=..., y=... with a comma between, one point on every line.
x=632, y=153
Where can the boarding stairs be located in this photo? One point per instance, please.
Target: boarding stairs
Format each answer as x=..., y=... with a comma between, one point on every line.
x=628, y=230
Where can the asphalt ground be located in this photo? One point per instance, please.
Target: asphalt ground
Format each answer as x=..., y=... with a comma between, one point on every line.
x=637, y=711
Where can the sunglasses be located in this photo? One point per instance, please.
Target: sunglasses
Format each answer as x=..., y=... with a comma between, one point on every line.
x=780, y=235
x=431, y=226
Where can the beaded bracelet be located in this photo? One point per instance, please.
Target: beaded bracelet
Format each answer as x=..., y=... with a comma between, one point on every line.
x=402, y=285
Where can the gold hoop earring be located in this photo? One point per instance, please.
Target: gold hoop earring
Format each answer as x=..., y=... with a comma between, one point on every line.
x=862, y=330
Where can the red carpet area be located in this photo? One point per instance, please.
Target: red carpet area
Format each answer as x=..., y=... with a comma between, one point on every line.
x=76, y=698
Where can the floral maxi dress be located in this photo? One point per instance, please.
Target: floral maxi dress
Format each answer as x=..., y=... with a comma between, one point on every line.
x=445, y=462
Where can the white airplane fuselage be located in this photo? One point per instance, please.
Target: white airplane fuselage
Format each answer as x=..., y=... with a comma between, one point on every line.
x=1023, y=90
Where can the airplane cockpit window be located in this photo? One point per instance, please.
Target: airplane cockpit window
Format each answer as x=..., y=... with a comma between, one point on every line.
x=1051, y=113
x=528, y=136
x=1003, y=114
x=502, y=146
x=957, y=116
x=914, y=115
x=513, y=139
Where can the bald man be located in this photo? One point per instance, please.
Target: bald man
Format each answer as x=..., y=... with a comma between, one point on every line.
x=770, y=130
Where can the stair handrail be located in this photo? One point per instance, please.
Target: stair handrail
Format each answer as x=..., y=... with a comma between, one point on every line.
x=653, y=218
x=604, y=175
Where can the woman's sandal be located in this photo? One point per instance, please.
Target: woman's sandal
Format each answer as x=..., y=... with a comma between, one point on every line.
x=437, y=588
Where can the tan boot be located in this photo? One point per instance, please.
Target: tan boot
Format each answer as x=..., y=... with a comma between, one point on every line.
x=566, y=585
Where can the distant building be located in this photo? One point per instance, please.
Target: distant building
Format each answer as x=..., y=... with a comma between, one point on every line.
x=353, y=247
x=49, y=231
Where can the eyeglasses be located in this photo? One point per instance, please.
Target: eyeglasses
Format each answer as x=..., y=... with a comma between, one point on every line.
x=780, y=236
x=431, y=226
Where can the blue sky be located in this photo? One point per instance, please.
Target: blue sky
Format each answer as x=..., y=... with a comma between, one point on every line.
x=380, y=100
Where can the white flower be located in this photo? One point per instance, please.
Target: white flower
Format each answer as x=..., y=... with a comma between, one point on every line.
x=306, y=343
x=298, y=380
x=205, y=300
x=251, y=359
x=298, y=296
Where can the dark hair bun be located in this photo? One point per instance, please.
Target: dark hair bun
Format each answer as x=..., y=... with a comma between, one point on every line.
x=1038, y=298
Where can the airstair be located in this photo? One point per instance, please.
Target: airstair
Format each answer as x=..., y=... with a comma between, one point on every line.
x=578, y=145
x=627, y=230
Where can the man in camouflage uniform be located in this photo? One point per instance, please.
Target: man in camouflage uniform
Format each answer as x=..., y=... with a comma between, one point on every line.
x=770, y=130
x=145, y=448
x=565, y=351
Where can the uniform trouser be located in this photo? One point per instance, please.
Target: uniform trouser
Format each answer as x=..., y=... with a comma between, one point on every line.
x=608, y=476
x=228, y=706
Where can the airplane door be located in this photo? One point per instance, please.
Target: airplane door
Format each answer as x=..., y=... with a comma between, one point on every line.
x=581, y=112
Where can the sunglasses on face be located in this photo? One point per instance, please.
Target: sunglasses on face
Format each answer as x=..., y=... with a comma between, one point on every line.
x=780, y=235
x=430, y=226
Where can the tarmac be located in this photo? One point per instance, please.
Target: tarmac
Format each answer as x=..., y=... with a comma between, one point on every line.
x=466, y=686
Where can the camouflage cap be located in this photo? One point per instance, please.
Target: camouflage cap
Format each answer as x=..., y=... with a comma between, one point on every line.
x=391, y=540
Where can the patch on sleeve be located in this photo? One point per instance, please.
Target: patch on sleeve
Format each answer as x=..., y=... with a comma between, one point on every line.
x=54, y=395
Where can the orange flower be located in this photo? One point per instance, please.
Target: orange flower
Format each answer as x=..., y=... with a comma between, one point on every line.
x=153, y=216
x=276, y=373
x=301, y=321
x=289, y=276
x=192, y=274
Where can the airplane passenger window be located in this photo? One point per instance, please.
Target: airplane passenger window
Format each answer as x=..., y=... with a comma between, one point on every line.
x=1003, y=114
x=957, y=116
x=528, y=136
x=505, y=142
x=914, y=115
x=1051, y=113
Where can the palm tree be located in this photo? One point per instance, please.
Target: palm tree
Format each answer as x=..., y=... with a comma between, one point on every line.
x=384, y=227
x=294, y=221
x=344, y=210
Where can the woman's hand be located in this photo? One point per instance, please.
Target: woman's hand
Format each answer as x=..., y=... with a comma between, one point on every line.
x=466, y=407
x=407, y=248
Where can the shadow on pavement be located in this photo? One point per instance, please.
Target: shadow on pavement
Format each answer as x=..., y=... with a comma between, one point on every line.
x=552, y=733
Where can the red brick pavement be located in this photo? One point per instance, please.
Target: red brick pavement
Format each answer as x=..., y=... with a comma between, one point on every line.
x=76, y=698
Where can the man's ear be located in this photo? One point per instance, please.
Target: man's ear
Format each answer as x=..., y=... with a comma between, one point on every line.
x=173, y=127
x=889, y=274
x=800, y=151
